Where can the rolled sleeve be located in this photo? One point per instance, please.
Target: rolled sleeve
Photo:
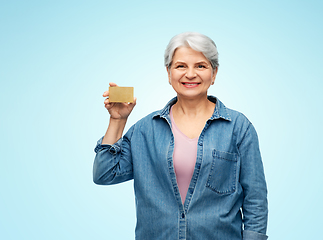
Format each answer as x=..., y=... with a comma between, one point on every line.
x=251, y=235
x=113, y=163
x=113, y=149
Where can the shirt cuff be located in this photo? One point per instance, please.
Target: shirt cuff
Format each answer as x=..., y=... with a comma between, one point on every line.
x=113, y=149
x=251, y=235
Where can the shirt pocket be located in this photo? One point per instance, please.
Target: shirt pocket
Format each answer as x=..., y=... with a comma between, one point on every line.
x=223, y=174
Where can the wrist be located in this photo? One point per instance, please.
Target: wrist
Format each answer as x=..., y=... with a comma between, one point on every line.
x=114, y=131
x=118, y=120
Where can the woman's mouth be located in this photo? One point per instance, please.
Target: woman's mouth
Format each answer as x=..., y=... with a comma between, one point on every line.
x=190, y=84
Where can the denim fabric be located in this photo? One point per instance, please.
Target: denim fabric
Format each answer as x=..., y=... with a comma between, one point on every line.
x=227, y=196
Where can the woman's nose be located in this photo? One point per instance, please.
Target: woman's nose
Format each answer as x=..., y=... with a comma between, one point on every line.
x=190, y=73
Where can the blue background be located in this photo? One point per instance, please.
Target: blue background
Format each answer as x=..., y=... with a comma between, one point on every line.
x=57, y=58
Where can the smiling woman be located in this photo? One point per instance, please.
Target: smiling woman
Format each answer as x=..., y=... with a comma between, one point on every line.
x=196, y=164
x=190, y=69
x=191, y=75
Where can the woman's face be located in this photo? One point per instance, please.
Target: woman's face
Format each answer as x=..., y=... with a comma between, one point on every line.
x=190, y=74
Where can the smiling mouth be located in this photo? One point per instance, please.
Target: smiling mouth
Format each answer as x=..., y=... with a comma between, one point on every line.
x=190, y=84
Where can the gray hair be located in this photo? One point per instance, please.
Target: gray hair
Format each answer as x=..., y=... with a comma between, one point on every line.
x=197, y=42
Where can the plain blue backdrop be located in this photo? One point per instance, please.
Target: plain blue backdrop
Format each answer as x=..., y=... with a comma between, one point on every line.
x=57, y=58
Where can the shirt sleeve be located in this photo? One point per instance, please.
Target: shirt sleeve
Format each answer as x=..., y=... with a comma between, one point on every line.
x=113, y=163
x=252, y=179
x=250, y=235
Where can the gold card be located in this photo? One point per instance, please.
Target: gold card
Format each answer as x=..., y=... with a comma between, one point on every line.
x=121, y=94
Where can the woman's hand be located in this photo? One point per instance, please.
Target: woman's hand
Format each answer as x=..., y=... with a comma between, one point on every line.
x=118, y=111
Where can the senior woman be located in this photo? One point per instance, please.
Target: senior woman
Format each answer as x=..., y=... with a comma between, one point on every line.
x=196, y=164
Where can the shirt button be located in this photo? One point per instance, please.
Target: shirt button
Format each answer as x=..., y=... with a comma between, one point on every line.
x=112, y=150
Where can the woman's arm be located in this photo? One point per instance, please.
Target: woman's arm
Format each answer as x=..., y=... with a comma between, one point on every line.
x=113, y=162
x=114, y=131
x=252, y=179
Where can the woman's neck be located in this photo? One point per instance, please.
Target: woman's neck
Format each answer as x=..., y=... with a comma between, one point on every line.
x=193, y=107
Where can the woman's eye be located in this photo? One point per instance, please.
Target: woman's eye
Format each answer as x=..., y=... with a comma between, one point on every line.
x=201, y=66
x=180, y=66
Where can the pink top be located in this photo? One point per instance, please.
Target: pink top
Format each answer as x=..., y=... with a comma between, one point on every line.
x=184, y=158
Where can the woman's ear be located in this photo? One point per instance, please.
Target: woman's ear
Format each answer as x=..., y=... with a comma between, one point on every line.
x=169, y=77
x=215, y=71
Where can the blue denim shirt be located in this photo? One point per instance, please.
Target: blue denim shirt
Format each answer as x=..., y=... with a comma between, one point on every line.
x=227, y=195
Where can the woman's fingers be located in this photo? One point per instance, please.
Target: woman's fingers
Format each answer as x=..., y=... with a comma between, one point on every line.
x=108, y=106
x=113, y=84
x=106, y=93
x=118, y=110
x=134, y=101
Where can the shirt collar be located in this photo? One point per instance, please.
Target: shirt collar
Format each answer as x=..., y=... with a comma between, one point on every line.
x=220, y=110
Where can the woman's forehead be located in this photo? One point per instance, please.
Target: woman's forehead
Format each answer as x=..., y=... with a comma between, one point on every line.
x=187, y=54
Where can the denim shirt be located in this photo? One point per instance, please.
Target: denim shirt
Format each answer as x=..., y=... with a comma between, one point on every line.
x=227, y=195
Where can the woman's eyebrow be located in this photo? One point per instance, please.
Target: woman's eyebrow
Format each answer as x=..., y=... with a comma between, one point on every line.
x=180, y=61
x=202, y=61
